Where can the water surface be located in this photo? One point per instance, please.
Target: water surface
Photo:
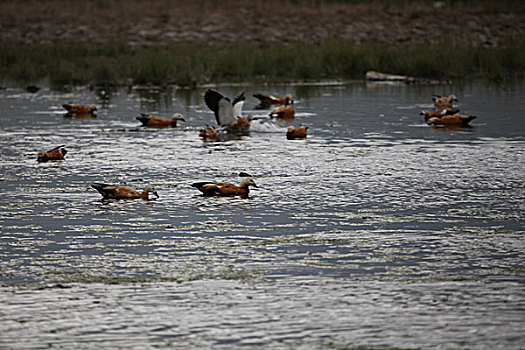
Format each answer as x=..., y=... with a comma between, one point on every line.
x=375, y=231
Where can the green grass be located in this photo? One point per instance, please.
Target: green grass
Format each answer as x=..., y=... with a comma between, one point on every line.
x=116, y=63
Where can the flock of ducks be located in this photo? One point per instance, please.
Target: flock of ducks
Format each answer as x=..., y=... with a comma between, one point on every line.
x=444, y=114
x=228, y=115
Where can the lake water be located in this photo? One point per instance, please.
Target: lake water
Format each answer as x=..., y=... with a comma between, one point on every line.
x=377, y=231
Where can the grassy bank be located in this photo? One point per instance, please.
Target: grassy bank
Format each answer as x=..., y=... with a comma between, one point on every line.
x=116, y=63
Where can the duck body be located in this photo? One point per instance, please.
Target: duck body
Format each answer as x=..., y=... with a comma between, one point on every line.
x=123, y=192
x=241, y=126
x=208, y=133
x=157, y=122
x=267, y=100
x=438, y=113
x=224, y=188
x=56, y=153
x=77, y=109
x=284, y=111
x=451, y=120
x=296, y=132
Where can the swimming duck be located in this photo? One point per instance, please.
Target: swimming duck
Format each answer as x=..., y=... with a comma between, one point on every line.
x=56, y=153
x=266, y=101
x=242, y=126
x=296, y=132
x=455, y=119
x=75, y=109
x=284, y=111
x=224, y=188
x=438, y=113
x=154, y=121
x=444, y=102
x=208, y=133
x=123, y=192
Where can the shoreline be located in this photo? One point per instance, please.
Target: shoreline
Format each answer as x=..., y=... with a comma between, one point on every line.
x=190, y=43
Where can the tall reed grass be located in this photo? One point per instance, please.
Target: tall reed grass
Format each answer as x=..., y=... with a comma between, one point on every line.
x=116, y=63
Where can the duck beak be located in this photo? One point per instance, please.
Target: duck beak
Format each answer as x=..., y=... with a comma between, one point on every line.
x=156, y=194
x=255, y=185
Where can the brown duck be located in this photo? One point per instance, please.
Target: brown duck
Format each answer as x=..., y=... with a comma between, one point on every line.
x=284, y=111
x=56, y=153
x=208, y=133
x=266, y=100
x=296, y=132
x=438, y=113
x=123, y=192
x=80, y=110
x=444, y=102
x=157, y=122
x=451, y=120
x=224, y=188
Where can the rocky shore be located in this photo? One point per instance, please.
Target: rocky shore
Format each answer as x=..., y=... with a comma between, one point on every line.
x=142, y=23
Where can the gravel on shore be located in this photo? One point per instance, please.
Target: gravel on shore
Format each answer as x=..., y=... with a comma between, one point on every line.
x=151, y=22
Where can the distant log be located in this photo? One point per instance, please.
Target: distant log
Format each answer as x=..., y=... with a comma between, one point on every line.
x=376, y=76
x=392, y=78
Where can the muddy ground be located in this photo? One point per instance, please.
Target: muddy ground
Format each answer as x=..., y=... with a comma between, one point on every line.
x=211, y=22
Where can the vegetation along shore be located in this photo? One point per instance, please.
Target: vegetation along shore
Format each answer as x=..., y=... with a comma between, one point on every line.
x=188, y=43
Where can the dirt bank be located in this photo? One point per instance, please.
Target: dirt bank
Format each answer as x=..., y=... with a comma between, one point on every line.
x=210, y=22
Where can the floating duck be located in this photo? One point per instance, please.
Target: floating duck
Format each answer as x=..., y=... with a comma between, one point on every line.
x=284, y=111
x=241, y=126
x=224, y=188
x=208, y=133
x=56, y=153
x=227, y=113
x=266, y=101
x=157, y=122
x=76, y=110
x=122, y=192
x=296, y=132
x=438, y=113
x=451, y=120
x=444, y=102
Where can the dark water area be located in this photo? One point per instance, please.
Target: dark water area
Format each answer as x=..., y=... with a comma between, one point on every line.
x=375, y=231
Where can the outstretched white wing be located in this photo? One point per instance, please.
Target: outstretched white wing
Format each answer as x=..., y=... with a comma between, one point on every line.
x=221, y=106
x=237, y=109
x=225, y=115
